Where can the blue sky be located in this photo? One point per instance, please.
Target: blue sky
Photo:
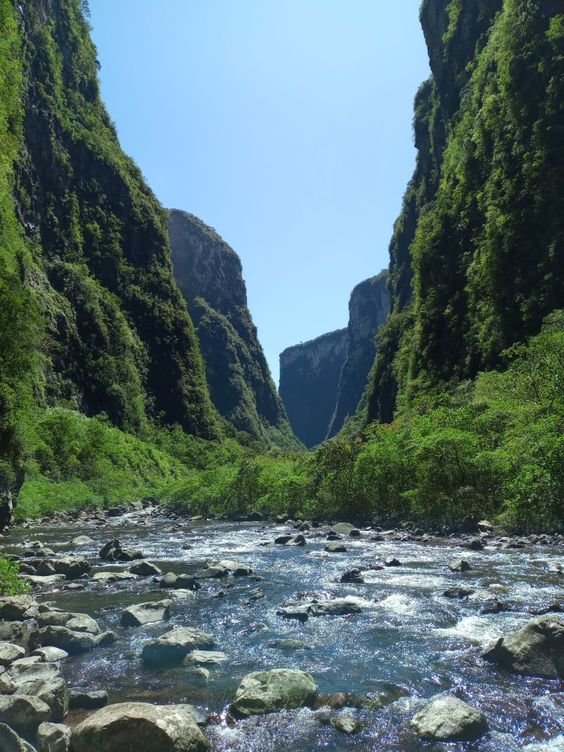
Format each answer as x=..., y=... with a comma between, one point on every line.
x=284, y=124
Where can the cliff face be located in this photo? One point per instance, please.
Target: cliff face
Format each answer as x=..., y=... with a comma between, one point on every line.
x=309, y=379
x=93, y=317
x=209, y=275
x=476, y=259
x=369, y=307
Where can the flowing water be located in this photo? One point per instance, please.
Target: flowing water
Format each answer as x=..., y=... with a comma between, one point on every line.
x=408, y=644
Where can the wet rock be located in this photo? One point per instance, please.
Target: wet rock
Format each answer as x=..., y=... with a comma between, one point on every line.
x=71, y=567
x=298, y=540
x=353, y=576
x=235, y=568
x=82, y=540
x=288, y=644
x=41, y=680
x=346, y=529
x=460, y=565
x=64, y=638
x=11, y=742
x=535, y=650
x=146, y=613
x=494, y=607
x=87, y=699
x=16, y=632
x=17, y=608
x=392, y=562
x=10, y=653
x=179, y=582
x=118, y=511
x=136, y=725
x=485, y=526
x=475, y=544
x=458, y=592
x=346, y=723
x=283, y=539
x=552, y=608
x=46, y=581
x=73, y=621
x=114, y=551
x=145, y=568
x=205, y=657
x=50, y=654
x=107, y=578
x=268, y=691
x=335, y=548
x=449, y=719
x=335, y=607
x=23, y=713
x=53, y=737
x=171, y=648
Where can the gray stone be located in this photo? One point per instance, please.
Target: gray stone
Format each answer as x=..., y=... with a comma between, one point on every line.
x=345, y=528
x=10, y=653
x=449, y=719
x=11, y=742
x=145, y=568
x=17, y=632
x=206, y=657
x=288, y=644
x=146, y=613
x=87, y=699
x=17, y=607
x=75, y=621
x=114, y=551
x=535, y=650
x=335, y=548
x=133, y=726
x=64, y=638
x=53, y=737
x=235, y=568
x=335, y=607
x=346, y=723
x=460, y=565
x=41, y=680
x=268, y=691
x=172, y=647
x=50, y=654
x=23, y=713
x=82, y=540
x=107, y=578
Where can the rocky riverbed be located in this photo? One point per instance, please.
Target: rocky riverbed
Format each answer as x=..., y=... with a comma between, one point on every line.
x=333, y=640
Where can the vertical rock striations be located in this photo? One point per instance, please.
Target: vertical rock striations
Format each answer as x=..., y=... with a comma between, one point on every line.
x=309, y=380
x=209, y=274
x=369, y=307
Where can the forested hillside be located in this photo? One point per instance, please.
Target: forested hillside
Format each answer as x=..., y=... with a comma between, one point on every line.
x=477, y=255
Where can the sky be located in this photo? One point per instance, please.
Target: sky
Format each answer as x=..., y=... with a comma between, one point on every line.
x=284, y=124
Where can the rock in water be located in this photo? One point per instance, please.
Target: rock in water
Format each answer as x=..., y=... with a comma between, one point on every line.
x=449, y=719
x=171, y=648
x=269, y=691
x=535, y=650
x=11, y=742
x=23, y=713
x=146, y=613
x=53, y=737
x=139, y=726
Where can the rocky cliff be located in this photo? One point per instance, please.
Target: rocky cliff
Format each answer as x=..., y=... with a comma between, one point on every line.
x=309, y=380
x=209, y=274
x=476, y=261
x=92, y=318
x=369, y=307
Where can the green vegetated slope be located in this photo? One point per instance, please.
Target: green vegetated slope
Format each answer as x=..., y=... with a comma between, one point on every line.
x=209, y=275
x=477, y=257
x=92, y=320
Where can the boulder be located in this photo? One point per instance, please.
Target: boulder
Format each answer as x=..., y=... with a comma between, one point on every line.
x=114, y=551
x=288, y=644
x=107, y=578
x=171, y=648
x=353, y=576
x=269, y=691
x=392, y=562
x=335, y=548
x=134, y=726
x=145, y=568
x=11, y=742
x=235, y=568
x=458, y=592
x=460, y=565
x=17, y=608
x=10, y=653
x=283, y=539
x=74, y=643
x=87, y=699
x=449, y=719
x=346, y=723
x=50, y=654
x=146, y=613
x=16, y=632
x=335, y=607
x=535, y=650
x=82, y=540
x=53, y=737
x=206, y=657
x=23, y=713
x=345, y=528
x=173, y=581
x=74, y=621
x=41, y=680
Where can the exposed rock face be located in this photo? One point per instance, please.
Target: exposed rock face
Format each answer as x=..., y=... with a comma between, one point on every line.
x=309, y=382
x=369, y=307
x=209, y=274
x=322, y=381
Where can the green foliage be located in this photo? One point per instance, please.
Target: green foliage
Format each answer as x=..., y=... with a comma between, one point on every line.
x=10, y=582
